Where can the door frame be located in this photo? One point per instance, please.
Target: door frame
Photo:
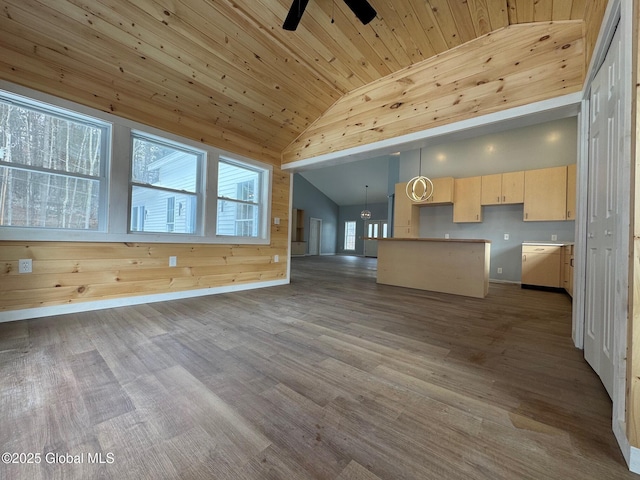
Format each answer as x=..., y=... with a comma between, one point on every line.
x=619, y=14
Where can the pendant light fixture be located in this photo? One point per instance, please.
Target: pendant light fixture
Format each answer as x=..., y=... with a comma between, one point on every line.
x=365, y=214
x=420, y=188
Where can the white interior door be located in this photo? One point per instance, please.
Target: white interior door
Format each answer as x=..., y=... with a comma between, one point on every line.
x=603, y=215
x=315, y=231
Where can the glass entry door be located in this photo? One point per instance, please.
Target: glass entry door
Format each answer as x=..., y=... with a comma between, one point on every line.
x=374, y=229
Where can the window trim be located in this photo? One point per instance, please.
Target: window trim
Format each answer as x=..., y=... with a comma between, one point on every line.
x=75, y=115
x=200, y=192
x=117, y=168
x=265, y=179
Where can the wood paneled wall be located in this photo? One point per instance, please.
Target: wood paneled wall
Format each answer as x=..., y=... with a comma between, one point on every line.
x=594, y=14
x=517, y=65
x=70, y=272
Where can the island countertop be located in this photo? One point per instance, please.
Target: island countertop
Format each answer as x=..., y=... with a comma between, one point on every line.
x=454, y=240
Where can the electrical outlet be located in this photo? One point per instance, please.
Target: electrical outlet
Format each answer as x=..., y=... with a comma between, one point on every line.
x=276, y=258
x=499, y=270
x=554, y=238
x=173, y=261
x=446, y=235
x=506, y=236
x=276, y=221
x=25, y=265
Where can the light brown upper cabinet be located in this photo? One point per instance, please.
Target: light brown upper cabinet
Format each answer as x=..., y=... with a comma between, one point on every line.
x=466, y=200
x=503, y=188
x=442, y=191
x=406, y=216
x=545, y=194
x=571, y=191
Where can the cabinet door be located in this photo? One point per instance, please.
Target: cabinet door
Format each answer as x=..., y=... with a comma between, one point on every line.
x=406, y=217
x=545, y=194
x=404, y=231
x=442, y=190
x=542, y=268
x=513, y=187
x=466, y=200
x=403, y=206
x=571, y=191
x=491, y=189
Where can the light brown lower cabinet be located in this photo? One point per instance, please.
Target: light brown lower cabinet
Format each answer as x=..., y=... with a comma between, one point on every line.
x=567, y=268
x=542, y=265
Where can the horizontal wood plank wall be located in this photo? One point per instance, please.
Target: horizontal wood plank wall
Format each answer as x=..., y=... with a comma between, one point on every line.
x=514, y=66
x=71, y=272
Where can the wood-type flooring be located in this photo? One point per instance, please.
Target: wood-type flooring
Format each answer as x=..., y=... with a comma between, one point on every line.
x=330, y=377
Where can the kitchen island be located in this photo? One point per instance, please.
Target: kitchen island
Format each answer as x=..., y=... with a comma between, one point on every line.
x=458, y=266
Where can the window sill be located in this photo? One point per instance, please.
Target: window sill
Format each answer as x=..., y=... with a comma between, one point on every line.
x=37, y=235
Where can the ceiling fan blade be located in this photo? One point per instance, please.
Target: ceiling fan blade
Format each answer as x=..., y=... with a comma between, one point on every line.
x=362, y=9
x=295, y=14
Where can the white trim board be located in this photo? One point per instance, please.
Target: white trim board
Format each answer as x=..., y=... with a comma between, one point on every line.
x=39, y=312
x=634, y=460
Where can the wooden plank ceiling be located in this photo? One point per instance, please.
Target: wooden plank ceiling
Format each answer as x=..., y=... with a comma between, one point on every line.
x=224, y=71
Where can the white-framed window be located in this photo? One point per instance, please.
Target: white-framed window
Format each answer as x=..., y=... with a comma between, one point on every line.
x=241, y=199
x=350, y=235
x=53, y=166
x=165, y=179
x=72, y=173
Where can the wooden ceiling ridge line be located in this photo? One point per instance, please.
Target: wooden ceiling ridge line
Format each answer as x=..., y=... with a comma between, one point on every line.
x=394, y=77
x=393, y=83
x=456, y=50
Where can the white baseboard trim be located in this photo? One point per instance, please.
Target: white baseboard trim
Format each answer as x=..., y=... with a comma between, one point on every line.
x=27, y=313
x=631, y=454
x=634, y=460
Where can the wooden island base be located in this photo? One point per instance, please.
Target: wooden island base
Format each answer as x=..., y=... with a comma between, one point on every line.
x=458, y=266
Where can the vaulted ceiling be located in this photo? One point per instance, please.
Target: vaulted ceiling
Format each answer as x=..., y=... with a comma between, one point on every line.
x=224, y=71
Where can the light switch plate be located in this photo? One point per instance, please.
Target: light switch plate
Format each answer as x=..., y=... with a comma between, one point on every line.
x=173, y=261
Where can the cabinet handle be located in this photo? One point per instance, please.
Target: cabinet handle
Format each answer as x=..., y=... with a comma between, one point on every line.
x=526, y=215
x=477, y=217
x=498, y=199
x=504, y=198
x=571, y=262
x=524, y=258
x=568, y=213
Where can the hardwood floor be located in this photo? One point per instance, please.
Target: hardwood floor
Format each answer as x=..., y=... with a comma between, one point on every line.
x=330, y=377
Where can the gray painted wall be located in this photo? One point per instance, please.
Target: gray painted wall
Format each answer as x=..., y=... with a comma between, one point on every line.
x=352, y=212
x=546, y=145
x=317, y=205
x=539, y=146
x=435, y=222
